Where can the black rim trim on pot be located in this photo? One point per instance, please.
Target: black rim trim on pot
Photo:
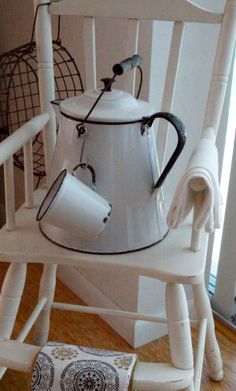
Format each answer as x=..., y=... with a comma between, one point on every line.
x=63, y=174
x=103, y=253
x=141, y=120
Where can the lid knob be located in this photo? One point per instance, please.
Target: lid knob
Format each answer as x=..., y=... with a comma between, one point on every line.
x=107, y=83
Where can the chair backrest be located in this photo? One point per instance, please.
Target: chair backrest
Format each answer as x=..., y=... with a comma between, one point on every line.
x=135, y=11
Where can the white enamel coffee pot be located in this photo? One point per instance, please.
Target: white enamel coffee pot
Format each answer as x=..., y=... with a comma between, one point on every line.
x=112, y=131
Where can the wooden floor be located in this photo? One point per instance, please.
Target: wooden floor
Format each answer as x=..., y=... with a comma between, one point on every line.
x=90, y=330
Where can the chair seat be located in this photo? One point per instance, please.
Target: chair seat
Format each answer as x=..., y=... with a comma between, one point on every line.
x=171, y=260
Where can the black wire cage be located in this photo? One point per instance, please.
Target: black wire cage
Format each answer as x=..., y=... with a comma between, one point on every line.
x=19, y=92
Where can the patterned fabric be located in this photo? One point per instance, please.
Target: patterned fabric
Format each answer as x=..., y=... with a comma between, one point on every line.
x=60, y=367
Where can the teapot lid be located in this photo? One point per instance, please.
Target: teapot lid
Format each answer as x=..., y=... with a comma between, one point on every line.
x=114, y=106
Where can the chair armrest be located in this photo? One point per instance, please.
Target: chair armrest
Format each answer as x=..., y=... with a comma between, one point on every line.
x=21, y=136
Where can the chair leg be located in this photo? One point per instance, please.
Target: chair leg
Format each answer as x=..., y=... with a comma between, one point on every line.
x=47, y=289
x=179, y=330
x=203, y=308
x=10, y=297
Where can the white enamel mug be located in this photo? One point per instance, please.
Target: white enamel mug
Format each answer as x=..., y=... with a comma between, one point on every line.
x=72, y=205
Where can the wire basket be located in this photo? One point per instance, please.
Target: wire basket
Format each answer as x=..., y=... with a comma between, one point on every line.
x=19, y=92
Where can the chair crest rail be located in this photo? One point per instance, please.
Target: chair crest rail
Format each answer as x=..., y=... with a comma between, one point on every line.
x=181, y=10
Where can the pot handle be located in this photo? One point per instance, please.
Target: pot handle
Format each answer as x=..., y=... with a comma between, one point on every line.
x=90, y=168
x=180, y=129
x=127, y=64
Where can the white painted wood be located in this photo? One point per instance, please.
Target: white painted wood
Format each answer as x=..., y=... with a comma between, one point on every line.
x=223, y=61
x=136, y=333
x=10, y=297
x=9, y=188
x=170, y=83
x=8, y=147
x=28, y=175
x=32, y=319
x=178, y=327
x=195, y=240
x=12, y=359
x=47, y=289
x=209, y=133
x=89, y=53
x=18, y=356
x=189, y=388
x=182, y=10
x=161, y=377
x=196, y=234
x=172, y=67
x=46, y=78
x=105, y=311
x=109, y=312
x=200, y=355
x=223, y=300
x=15, y=141
x=146, y=332
x=2, y=372
x=203, y=309
x=132, y=36
x=157, y=262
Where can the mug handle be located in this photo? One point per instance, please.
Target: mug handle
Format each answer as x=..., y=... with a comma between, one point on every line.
x=90, y=168
x=181, y=133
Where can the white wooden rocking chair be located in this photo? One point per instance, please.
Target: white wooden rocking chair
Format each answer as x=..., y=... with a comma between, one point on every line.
x=22, y=242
